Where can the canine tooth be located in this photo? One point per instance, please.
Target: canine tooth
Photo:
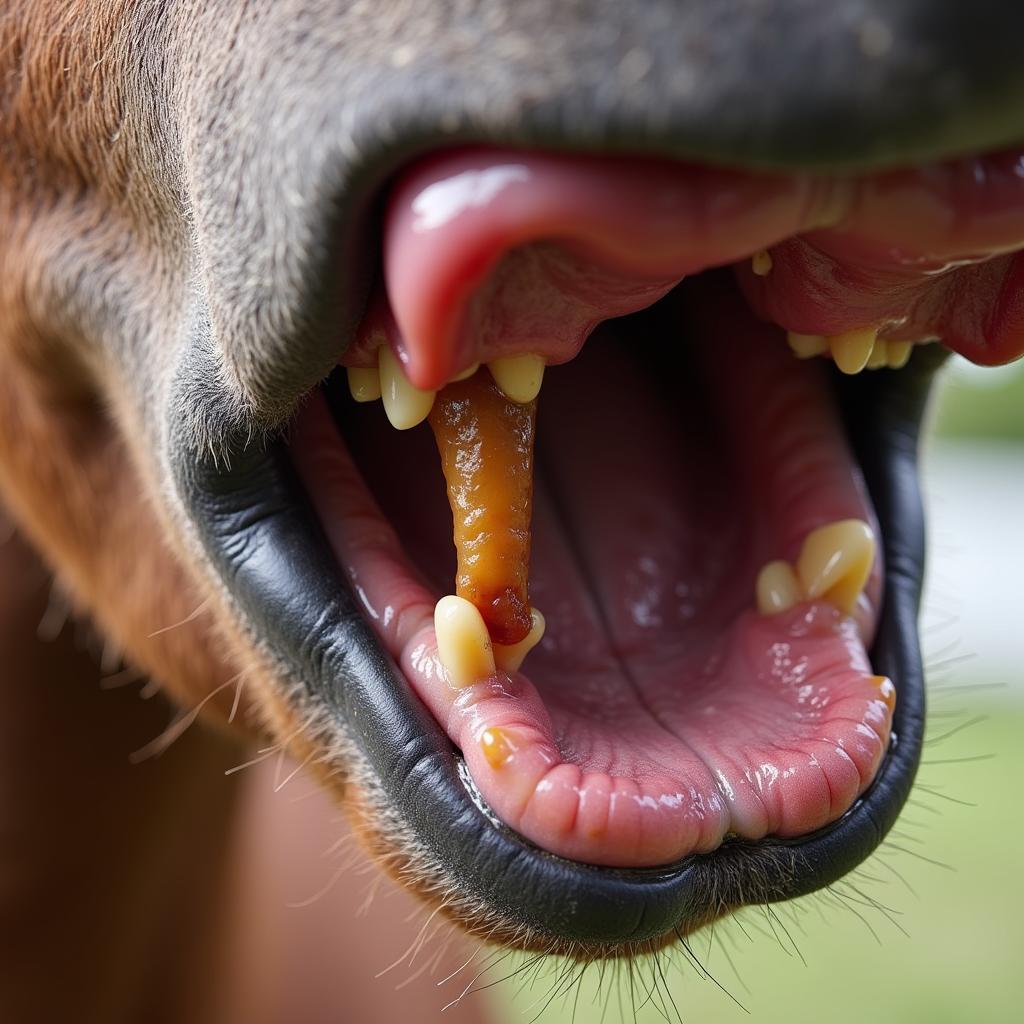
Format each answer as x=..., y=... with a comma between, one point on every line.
x=404, y=404
x=519, y=377
x=761, y=263
x=805, y=346
x=364, y=383
x=509, y=657
x=879, y=355
x=463, y=644
x=835, y=562
x=899, y=354
x=777, y=589
x=853, y=349
x=497, y=746
x=466, y=373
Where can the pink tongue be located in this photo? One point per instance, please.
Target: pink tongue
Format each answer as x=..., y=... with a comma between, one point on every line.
x=612, y=235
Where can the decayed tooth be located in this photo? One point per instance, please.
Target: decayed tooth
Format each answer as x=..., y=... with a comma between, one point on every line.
x=466, y=373
x=404, y=404
x=364, y=383
x=463, y=644
x=835, y=562
x=509, y=657
x=761, y=263
x=519, y=377
x=899, y=353
x=778, y=589
x=879, y=355
x=805, y=346
x=852, y=350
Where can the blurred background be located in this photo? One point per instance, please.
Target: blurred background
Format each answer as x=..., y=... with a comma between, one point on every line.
x=931, y=929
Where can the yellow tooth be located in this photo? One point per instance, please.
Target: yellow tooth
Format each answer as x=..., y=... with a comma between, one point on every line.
x=519, y=377
x=879, y=355
x=761, y=263
x=463, y=644
x=466, y=373
x=498, y=746
x=404, y=404
x=777, y=589
x=509, y=657
x=852, y=350
x=805, y=346
x=835, y=562
x=364, y=383
x=899, y=353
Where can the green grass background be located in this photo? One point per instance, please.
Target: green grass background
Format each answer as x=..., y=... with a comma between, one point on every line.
x=949, y=949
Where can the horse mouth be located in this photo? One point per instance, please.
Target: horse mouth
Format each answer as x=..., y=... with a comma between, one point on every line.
x=725, y=541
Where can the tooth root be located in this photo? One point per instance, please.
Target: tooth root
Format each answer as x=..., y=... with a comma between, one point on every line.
x=463, y=644
x=404, y=404
x=879, y=355
x=761, y=263
x=805, y=346
x=466, y=373
x=852, y=350
x=777, y=589
x=899, y=354
x=835, y=563
x=364, y=383
x=498, y=746
x=519, y=377
x=509, y=657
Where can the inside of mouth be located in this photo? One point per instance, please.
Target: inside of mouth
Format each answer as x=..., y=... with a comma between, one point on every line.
x=680, y=451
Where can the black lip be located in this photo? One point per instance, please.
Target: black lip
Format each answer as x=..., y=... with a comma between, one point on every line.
x=265, y=543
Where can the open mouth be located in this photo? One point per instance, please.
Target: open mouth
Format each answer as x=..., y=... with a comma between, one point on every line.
x=719, y=378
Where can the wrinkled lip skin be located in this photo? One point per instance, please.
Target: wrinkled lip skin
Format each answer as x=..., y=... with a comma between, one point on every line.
x=255, y=522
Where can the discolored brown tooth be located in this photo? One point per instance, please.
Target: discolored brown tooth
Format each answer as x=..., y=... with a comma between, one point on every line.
x=486, y=446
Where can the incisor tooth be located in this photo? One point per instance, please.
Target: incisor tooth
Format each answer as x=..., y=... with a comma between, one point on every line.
x=899, y=354
x=805, y=346
x=463, y=644
x=835, y=562
x=761, y=263
x=852, y=350
x=509, y=657
x=879, y=355
x=519, y=377
x=778, y=589
x=466, y=373
x=364, y=383
x=404, y=404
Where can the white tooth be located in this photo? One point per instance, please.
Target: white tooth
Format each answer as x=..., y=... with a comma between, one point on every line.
x=509, y=657
x=519, y=377
x=899, y=354
x=852, y=350
x=404, y=404
x=466, y=373
x=777, y=589
x=364, y=383
x=463, y=643
x=761, y=263
x=805, y=346
x=835, y=562
x=879, y=355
